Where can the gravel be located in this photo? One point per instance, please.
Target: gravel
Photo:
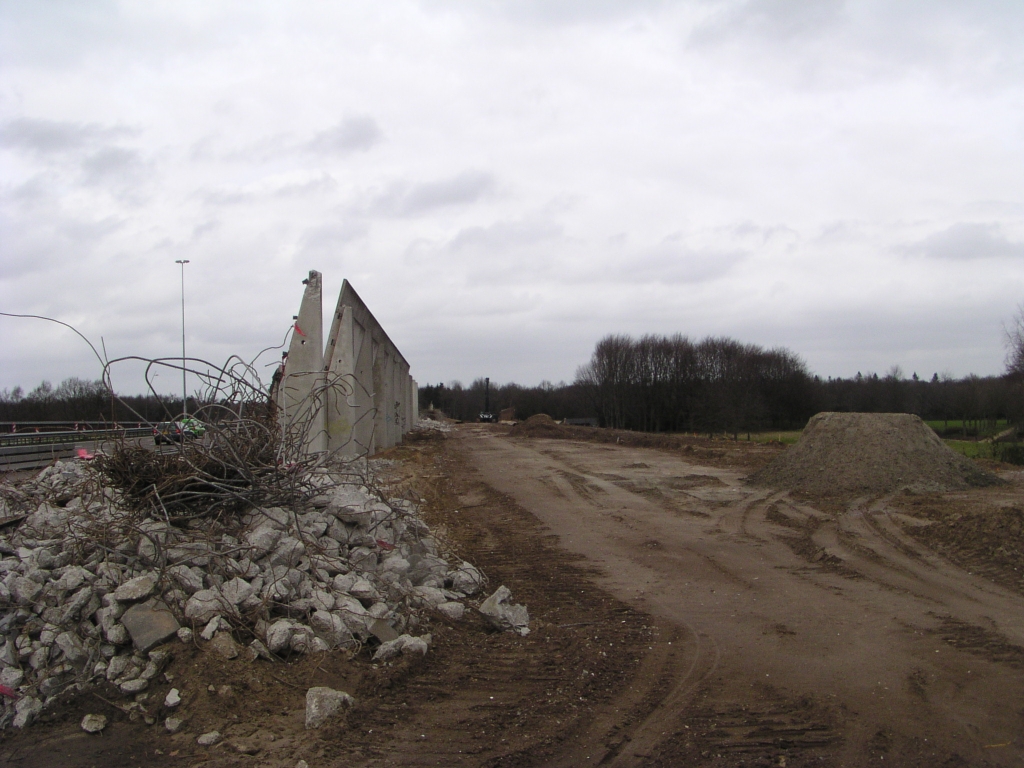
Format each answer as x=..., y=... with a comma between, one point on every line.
x=89, y=585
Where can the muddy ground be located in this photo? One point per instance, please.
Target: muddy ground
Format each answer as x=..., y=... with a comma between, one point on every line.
x=679, y=617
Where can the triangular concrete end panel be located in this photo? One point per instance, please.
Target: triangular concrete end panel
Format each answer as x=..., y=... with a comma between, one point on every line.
x=355, y=397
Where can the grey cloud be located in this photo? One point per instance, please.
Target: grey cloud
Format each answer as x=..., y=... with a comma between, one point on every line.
x=112, y=162
x=54, y=136
x=571, y=12
x=326, y=240
x=967, y=241
x=505, y=252
x=206, y=228
x=760, y=233
x=674, y=262
x=504, y=236
x=323, y=183
x=354, y=134
x=43, y=239
x=90, y=232
x=404, y=200
x=228, y=197
x=118, y=169
x=778, y=20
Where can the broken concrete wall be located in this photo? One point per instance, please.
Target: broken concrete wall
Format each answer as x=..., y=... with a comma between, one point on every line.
x=300, y=393
x=356, y=397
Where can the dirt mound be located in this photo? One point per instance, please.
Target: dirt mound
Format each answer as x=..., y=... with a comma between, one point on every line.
x=846, y=454
x=540, y=425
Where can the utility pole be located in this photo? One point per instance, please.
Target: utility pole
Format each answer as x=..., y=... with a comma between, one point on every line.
x=184, y=390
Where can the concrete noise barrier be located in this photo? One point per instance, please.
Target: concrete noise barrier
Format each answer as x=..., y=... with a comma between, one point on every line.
x=354, y=396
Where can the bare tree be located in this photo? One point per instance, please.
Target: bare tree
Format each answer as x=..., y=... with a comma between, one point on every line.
x=1014, y=339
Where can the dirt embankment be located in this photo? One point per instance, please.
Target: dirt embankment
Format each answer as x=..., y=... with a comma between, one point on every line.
x=981, y=532
x=848, y=454
x=702, y=450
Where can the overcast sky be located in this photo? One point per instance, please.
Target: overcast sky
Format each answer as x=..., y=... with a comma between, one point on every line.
x=506, y=182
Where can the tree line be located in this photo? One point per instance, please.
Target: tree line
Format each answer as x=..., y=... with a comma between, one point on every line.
x=675, y=384
x=82, y=400
x=651, y=383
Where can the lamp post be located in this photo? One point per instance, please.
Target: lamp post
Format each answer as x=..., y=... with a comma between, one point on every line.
x=184, y=391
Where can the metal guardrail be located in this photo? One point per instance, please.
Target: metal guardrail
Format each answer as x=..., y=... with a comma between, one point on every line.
x=15, y=457
x=32, y=450
x=47, y=438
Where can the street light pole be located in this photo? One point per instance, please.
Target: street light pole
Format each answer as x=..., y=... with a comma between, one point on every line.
x=184, y=390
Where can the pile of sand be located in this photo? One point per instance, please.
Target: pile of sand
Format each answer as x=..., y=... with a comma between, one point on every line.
x=846, y=454
x=540, y=425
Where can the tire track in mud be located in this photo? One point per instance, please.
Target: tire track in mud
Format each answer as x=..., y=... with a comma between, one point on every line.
x=761, y=730
x=577, y=690
x=864, y=663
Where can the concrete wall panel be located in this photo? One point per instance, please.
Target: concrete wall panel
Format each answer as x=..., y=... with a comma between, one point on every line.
x=362, y=404
x=300, y=393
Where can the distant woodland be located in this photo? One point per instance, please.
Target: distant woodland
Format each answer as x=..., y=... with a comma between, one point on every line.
x=675, y=384
x=85, y=401
x=651, y=383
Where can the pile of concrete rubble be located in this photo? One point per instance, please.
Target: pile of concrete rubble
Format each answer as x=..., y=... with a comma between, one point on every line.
x=433, y=425
x=90, y=588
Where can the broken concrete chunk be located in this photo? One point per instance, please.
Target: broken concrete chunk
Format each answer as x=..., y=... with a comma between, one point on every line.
x=149, y=624
x=363, y=590
x=382, y=630
x=26, y=710
x=208, y=739
x=287, y=552
x=330, y=628
x=204, y=605
x=77, y=604
x=11, y=677
x=430, y=595
x=322, y=703
x=452, y=610
x=505, y=615
x=466, y=579
x=190, y=579
x=117, y=635
x=136, y=589
x=117, y=667
x=322, y=600
x=279, y=635
x=137, y=685
x=72, y=578
x=258, y=650
x=25, y=590
x=151, y=670
x=404, y=644
x=94, y=723
x=211, y=628
x=415, y=645
x=236, y=591
x=225, y=645
x=263, y=539
x=72, y=648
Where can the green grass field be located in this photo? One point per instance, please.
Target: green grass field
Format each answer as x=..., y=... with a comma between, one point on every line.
x=971, y=448
x=980, y=429
x=786, y=438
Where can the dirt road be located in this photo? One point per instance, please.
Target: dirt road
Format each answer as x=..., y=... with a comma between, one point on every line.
x=833, y=633
x=678, y=617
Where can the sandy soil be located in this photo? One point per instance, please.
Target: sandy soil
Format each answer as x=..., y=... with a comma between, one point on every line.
x=679, y=616
x=835, y=633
